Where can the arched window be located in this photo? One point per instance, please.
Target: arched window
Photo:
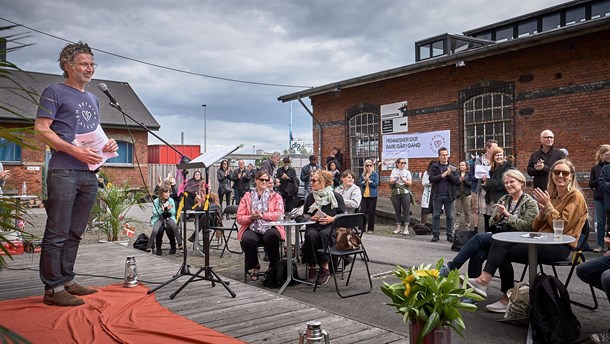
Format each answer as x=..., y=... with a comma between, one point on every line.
x=488, y=116
x=363, y=135
x=9, y=151
x=125, y=154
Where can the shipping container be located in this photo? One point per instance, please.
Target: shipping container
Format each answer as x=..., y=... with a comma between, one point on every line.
x=162, y=154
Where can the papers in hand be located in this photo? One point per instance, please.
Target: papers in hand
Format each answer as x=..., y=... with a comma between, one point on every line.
x=96, y=141
x=533, y=235
x=480, y=171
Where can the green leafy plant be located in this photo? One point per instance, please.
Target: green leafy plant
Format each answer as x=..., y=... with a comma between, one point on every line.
x=111, y=208
x=423, y=296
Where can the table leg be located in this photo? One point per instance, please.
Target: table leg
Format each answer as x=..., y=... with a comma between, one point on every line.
x=196, y=246
x=288, y=258
x=532, y=258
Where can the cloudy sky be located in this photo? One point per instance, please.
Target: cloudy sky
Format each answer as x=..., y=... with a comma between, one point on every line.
x=294, y=43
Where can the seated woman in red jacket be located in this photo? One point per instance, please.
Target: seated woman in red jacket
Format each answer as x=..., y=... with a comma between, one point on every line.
x=256, y=209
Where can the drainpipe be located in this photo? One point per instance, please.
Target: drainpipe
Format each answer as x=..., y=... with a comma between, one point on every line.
x=316, y=122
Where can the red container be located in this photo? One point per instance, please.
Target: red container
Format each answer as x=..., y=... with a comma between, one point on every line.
x=14, y=247
x=162, y=154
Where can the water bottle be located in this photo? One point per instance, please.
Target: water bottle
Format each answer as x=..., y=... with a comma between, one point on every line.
x=24, y=189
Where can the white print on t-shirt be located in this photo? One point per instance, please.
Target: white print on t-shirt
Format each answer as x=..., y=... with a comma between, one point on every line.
x=86, y=117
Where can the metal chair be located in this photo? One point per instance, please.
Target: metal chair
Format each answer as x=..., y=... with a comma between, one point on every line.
x=230, y=210
x=356, y=223
x=577, y=258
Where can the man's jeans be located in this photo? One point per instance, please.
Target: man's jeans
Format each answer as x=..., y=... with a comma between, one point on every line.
x=600, y=218
x=438, y=201
x=476, y=249
x=71, y=195
x=238, y=195
x=597, y=273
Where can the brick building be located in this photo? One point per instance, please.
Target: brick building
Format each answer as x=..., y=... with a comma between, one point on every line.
x=549, y=69
x=28, y=164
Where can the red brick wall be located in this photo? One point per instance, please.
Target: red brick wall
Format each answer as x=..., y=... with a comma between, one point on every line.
x=567, y=100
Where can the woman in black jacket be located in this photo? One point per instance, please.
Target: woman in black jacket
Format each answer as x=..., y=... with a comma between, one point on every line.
x=494, y=186
x=602, y=158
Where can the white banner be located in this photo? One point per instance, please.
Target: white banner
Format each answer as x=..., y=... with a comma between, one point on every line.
x=420, y=145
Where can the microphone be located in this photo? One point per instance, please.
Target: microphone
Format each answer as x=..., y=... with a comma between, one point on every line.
x=102, y=86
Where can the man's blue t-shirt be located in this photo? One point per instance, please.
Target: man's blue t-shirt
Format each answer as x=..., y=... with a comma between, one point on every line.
x=73, y=112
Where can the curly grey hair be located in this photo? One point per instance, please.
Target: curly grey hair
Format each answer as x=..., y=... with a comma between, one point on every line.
x=69, y=53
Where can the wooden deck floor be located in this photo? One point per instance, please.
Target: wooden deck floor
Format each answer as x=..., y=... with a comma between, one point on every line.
x=254, y=316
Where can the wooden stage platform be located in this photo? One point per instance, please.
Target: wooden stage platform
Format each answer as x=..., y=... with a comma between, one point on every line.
x=254, y=316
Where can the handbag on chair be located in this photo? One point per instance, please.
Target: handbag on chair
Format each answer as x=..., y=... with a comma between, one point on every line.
x=347, y=239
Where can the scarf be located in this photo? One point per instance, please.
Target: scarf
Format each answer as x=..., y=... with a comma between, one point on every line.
x=260, y=204
x=322, y=198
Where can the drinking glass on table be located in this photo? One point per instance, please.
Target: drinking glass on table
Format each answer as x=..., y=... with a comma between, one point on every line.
x=558, y=228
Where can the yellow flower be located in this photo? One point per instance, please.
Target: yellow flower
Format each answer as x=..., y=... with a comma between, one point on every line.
x=407, y=289
x=109, y=185
x=431, y=273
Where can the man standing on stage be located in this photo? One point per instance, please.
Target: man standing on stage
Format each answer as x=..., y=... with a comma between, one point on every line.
x=66, y=111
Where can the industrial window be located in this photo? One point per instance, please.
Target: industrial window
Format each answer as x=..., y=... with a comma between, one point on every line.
x=363, y=139
x=600, y=9
x=9, y=151
x=528, y=28
x=550, y=22
x=125, y=154
x=488, y=116
x=504, y=34
x=575, y=15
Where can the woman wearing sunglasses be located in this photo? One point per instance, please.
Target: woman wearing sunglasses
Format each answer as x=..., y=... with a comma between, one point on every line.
x=369, y=180
x=321, y=206
x=400, y=182
x=562, y=200
x=256, y=209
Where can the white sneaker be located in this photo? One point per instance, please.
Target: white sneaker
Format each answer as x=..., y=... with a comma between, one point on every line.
x=406, y=231
x=478, y=289
x=497, y=307
x=603, y=337
x=397, y=231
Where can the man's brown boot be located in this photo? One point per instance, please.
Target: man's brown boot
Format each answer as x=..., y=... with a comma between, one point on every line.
x=61, y=298
x=77, y=289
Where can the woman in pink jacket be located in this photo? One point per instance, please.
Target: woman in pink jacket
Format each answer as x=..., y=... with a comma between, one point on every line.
x=256, y=209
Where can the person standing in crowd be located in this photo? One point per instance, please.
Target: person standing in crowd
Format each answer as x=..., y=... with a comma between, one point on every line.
x=602, y=158
x=71, y=185
x=241, y=181
x=494, y=185
x=252, y=172
x=289, y=184
x=400, y=183
x=163, y=219
x=482, y=166
x=541, y=160
x=321, y=206
x=443, y=178
x=426, y=202
x=474, y=200
x=336, y=155
x=352, y=196
x=604, y=183
x=369, y=180
x=270, y=164
x=223, y=174
x=257, y=208
x=462, y=197
x=332, y=168
x=307, y=171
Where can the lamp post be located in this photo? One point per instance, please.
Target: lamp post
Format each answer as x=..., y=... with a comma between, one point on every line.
x=205, y=146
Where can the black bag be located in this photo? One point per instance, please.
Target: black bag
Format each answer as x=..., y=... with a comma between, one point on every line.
x=225, y=189
x=141, y=242
x=276, y=276
x=550, y=313
x=422, y=228
x=461, y=238
x=500, y=227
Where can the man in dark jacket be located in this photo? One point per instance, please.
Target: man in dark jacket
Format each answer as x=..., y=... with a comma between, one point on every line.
x=289, y=184
x=443, y=178
x=241, y=181
x=541, y=160
x=307, y=171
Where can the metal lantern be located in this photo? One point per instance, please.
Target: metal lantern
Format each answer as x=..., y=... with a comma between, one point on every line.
x=314, y=334
x=131, y=273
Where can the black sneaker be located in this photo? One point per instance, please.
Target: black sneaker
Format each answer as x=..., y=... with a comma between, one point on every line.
x=450, y=238
x=158, y=252
x=172, y=250
x=434, y=239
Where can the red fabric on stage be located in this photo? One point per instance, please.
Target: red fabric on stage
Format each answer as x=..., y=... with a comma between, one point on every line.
x=112, y=315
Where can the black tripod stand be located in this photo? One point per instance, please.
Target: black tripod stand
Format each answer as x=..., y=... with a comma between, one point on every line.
x=206, y=269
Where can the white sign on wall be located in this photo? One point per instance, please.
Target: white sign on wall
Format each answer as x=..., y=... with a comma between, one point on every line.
x=420, y=145
x=394, y=118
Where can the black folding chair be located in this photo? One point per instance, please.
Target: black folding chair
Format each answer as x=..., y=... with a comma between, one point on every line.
x=356, y=223
x=230, y=210
x=577, y=258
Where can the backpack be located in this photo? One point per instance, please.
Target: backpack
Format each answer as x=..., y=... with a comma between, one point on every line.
x=550, y=313
x=461, y=238
x=141, y=242
x=276, y=276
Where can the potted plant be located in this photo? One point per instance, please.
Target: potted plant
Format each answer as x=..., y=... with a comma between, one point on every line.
x=431, y=304
x=111, y=208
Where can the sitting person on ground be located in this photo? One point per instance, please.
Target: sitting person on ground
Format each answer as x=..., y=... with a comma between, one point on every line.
x=349, y=191
x=163, y=219
x=596, y=272
x=513, y=212
x=321, y=206
x=562, y=200
x=256, y=209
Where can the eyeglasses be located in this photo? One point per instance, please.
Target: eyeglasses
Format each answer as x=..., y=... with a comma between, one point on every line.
x=263, y=180
x=401, y=162
x=368, y=165
x=314, y=180
x=548, y=137
x=85, y=65
x=565, y=174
